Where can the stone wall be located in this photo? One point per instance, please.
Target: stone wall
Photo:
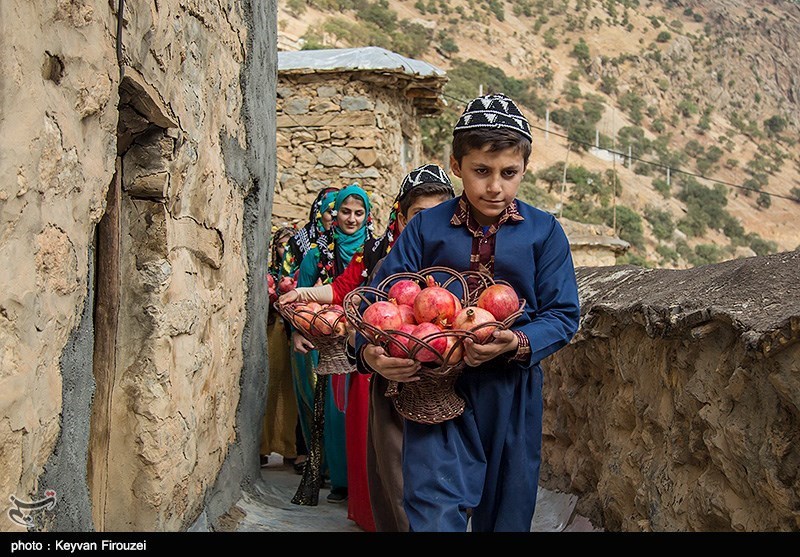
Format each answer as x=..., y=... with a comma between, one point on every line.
x=677, y=405
x=339, y=128
x=134, y=176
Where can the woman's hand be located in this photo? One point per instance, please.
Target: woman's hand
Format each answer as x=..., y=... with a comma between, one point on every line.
x=288, y=297
x=475, y=354
x=301, y=344
x=402, y=370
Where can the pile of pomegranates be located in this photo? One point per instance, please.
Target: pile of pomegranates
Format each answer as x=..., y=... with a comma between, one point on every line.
x=313, y=319
x=428, y=323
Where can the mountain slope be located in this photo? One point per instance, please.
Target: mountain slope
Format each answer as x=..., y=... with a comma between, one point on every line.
x=708, y=90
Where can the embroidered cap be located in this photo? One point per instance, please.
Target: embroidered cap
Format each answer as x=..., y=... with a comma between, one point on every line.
x=425, y=174
x=493, y=111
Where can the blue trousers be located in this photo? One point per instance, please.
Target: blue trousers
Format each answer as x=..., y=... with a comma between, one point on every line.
x=486, y=460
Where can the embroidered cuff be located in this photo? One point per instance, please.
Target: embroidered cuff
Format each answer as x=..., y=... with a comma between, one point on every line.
x=523, y=349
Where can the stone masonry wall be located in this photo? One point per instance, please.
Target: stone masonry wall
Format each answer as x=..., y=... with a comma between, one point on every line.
x=676, y=408
x=58, y=144
x=165, y=407
x=340, y=128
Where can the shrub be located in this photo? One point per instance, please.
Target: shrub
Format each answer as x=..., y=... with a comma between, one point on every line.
x=660, y=221
x=705, y=254
x=662, y=187
x=761, y=246
x=774, y=125
x=663, y=37
x=629, y=224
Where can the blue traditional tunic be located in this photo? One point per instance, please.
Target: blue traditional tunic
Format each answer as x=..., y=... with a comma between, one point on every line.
x=488, y=458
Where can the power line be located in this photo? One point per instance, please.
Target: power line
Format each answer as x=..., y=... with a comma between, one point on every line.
x=645, y=161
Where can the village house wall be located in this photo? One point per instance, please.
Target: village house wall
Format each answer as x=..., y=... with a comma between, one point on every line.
x=335, y=129
x=134, y=220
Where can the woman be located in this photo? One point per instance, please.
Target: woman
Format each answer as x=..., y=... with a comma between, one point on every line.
x=327, y=259
x=304, y=379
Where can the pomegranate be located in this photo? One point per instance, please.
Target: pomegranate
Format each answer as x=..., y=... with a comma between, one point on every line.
x=423, y=332
x=435, y=304
x=270, y=281
x=500, y=300
x=454, y=351
x=459, y=307
x=302, y=319
x=383, y=315
x=328, y=321
x=395, y=349
x=286, y=284
x=475, y=319
x=407, y=313
x=404, y=291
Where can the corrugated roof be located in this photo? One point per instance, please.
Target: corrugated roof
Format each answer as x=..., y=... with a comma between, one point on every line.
x=354, y=59
x=422, y=82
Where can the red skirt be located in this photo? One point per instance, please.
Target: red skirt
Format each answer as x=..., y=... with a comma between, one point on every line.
x=356, y=415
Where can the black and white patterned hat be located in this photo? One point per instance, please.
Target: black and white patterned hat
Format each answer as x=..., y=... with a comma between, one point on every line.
x=425, y=174
x=493, y=111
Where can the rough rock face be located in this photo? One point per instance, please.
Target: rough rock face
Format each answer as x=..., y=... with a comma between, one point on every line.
x=677, y=405
x=141, y=164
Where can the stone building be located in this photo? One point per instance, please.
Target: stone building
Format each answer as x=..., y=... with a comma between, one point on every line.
x=349, y=115
x=135, y=221
x=593, y=245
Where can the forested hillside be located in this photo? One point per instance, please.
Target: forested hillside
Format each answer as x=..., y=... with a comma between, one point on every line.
x=677, y=121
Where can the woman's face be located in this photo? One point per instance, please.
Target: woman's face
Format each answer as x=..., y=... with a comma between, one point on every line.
x=327, y=220
x=351, y=215
x=281, y=249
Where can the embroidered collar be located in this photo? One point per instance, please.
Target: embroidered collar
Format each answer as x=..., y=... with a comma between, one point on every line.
x=463, y=217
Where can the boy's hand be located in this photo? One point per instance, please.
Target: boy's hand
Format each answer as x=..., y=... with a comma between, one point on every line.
x=402, y=370
x=301, y=344
x=475, y=354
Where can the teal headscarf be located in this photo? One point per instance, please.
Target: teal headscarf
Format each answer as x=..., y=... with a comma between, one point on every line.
x=349, y=244
x=337, y=248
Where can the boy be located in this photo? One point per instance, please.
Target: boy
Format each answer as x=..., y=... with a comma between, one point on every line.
x=487, y=459
x=424, y=187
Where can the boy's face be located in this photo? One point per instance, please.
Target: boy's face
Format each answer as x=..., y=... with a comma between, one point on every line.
x=490, y=179
x=420, y=204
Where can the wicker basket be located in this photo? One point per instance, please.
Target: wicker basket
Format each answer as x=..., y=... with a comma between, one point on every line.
x=432, y=399
x=325, y=334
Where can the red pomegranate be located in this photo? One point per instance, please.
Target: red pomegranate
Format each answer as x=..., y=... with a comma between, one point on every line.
x=458, y=303
x=473, y=318
x=286, y=284
x=328, y=321
x=435, y=304
x=404, y=291
x=454, y=351
x=500, y=300
x=423, y=331
x=407, y=313
x=395, y=350
x=302, y=318
x=383, y=315
x=270, y=280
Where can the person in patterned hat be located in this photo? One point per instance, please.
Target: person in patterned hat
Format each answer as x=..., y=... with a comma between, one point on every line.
x=486, y=460
x=374, y=428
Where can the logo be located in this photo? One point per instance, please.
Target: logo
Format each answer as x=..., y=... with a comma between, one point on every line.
x=22, y=510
